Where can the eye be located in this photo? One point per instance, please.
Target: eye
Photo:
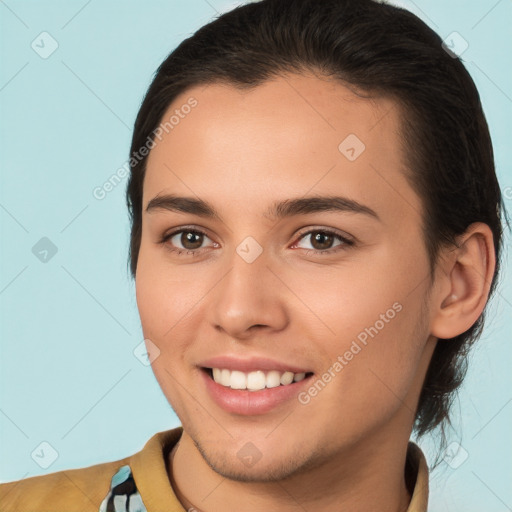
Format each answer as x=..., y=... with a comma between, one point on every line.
x=189, y=239
x=322, y=241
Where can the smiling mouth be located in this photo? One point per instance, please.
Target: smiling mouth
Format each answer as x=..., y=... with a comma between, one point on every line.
x=255, y=380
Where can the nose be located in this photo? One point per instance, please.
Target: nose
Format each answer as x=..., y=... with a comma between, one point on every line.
x=249, y=299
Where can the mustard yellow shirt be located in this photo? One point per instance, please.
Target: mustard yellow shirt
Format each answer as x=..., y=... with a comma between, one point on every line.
x=138, y=483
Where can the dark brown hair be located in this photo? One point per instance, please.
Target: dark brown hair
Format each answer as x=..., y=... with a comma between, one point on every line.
x=381, y=50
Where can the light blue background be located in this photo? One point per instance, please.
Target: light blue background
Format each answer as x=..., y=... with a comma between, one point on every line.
x=69, y=326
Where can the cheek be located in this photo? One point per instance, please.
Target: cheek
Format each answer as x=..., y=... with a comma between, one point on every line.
x=160, y=311
x=365, y=384
x=152, y=301
x=377, y=331
x=361, y=299
x=163, y=297
x=379, y=363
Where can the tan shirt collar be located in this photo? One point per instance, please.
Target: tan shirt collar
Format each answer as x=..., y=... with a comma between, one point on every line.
x=417, y=464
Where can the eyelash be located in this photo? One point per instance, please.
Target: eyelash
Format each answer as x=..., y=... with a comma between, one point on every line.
x=346, y=242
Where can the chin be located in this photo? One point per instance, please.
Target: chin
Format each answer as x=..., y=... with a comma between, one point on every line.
x=258, y=469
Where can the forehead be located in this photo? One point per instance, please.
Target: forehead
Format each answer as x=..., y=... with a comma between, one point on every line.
x=287, y=136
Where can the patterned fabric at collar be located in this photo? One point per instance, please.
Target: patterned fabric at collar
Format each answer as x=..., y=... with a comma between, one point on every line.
x=123, y=495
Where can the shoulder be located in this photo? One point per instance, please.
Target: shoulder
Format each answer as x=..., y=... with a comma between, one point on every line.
x=100, y=487
x=80, y=490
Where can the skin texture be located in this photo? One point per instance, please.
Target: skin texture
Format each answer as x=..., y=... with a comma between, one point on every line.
x=241, y=151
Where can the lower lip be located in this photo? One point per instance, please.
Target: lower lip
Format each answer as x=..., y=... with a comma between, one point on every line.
x=250, y=403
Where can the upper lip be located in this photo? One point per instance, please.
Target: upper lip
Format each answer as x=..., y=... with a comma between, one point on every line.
x=250, y=364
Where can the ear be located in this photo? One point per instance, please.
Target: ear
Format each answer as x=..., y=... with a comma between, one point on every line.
x=465, y=276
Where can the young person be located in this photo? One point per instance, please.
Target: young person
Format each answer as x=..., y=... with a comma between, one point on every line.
x=316, y=232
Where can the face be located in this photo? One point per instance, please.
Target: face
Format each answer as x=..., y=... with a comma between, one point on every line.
x=333, y=290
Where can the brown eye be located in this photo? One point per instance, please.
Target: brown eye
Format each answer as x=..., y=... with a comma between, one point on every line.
x=183, y=241
x=322, y=240
x=191, y=239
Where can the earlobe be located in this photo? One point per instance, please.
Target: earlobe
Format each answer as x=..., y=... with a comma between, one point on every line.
x=467, y=275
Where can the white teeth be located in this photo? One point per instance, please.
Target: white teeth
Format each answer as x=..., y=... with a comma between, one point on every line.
x=225, y=378
x=273, y=379
x=238, y=380
x=254, y=381
x=286, y=378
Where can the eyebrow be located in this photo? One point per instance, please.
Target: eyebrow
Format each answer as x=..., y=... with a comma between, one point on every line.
x=278, y=210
